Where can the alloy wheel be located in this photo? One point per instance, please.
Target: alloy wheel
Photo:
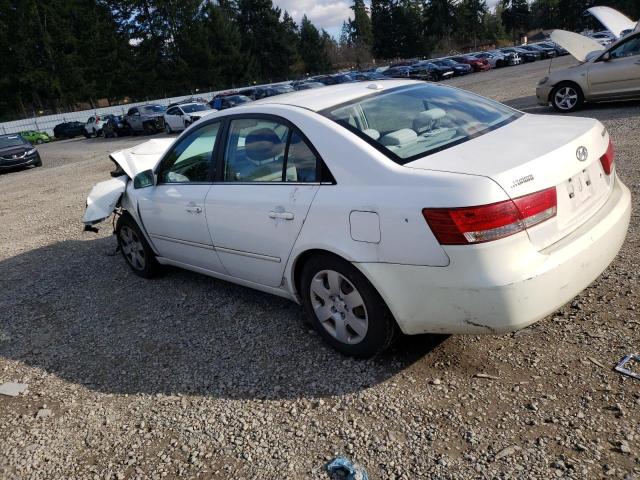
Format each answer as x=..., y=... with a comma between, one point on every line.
x=566, y=98
x=339, y=307
x=132, y=248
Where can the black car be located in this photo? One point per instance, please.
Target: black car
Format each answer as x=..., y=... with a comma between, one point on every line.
x=366, y=76
x=115, y=127
x=526, y=55
x=272, y=91
x=560, y=51
x=458, y=68
x=16, y=152
x=69, y=130
x=440, y=72
x=228, y=101
x=544, y=52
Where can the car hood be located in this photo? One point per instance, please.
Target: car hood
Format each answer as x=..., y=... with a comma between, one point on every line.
x=7, y=151
x=141, y=157
x=577, y=45
x=613, y=20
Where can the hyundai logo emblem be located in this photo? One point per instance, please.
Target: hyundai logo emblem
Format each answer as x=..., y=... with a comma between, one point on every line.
x=582, y=154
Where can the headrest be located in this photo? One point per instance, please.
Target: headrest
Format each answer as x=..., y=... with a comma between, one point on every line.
x=399, y=137
x=425, y=119
x=370, y=132
x=261, y=144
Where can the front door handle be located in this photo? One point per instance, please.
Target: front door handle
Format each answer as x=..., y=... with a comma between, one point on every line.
x=281, y=215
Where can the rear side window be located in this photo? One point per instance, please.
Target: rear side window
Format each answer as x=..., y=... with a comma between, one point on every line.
x=407, y=123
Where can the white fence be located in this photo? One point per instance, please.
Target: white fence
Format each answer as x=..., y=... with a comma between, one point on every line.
x=47, y=122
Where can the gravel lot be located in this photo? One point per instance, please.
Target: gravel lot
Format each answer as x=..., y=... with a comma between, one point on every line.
x=186, y=376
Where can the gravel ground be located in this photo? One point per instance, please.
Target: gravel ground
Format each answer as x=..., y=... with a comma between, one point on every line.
x=186, y=376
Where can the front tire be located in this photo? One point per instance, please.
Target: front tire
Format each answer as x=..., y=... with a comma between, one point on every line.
x=567, y=97
x=345, y=308
x=134, y=247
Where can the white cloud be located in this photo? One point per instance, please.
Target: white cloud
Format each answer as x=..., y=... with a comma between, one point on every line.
x=327, y=14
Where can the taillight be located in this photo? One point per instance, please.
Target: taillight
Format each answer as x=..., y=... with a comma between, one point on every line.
x=485, y=223
x=608, y=158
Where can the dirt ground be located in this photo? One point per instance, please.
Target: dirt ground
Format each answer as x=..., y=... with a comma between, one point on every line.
x=186, y=376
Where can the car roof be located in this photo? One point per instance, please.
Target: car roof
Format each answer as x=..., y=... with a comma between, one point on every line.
x=322, y=98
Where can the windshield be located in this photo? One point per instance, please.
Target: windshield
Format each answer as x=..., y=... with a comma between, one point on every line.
x=195, y=107
x=410, y=122
x=153, y=109
x=12, y=141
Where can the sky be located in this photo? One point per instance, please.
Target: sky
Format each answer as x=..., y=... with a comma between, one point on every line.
x=327, y=14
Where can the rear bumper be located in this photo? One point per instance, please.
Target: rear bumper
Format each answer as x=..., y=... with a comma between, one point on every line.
x=506, y=285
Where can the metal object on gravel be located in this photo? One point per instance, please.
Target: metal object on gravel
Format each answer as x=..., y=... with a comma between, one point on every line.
x=342, y=469
x=620, y=368
x=11, y=389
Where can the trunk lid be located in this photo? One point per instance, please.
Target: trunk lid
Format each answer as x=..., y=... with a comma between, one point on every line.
x=535, y=153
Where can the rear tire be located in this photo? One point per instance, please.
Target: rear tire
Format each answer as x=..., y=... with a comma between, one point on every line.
x=134, y=247
x=567, y=97
x=345, y=309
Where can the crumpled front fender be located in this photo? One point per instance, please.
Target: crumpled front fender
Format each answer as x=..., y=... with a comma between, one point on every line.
x=104, y=199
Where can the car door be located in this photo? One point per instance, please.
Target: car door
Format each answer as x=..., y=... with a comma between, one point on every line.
x=88, y=128
x=133, y=119
x=620, y=76
x=268, y=177
x=171, y=117
x=172, y=211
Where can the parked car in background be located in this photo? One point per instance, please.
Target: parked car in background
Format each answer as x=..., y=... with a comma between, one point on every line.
x=439, y=72
x=478, y=64
x=412, y=206
x=34, y=137
x=495, y=60
x=415, y=73
x=512, y=58
x=68, y=130
x=308, y=86
x=223, y=102
x=544, y=51
x=16, y=152
x=115, y=127
x=147, y=119
x=611, y=73
x=459, y=69
x=182, y=115
x=367, y=76
x=559, y=50
x=272, y=90
x=525, y=55
x=93, y=127
x=603, y=38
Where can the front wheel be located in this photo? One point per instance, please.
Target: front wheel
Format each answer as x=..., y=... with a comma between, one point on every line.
x=39, y=141
x=134, y=247
x=345, y=308
x=567, y=97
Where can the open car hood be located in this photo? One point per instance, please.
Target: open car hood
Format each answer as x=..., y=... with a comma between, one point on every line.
x=577, y=45
x=141, y=157
x=613, y=20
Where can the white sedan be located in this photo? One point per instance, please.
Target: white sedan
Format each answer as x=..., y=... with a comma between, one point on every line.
x=380, y=207
x=180, y=116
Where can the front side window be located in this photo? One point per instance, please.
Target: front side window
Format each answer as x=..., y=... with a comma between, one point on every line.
x=255, y=151
x=629, y=48
x=407, y=123
x=191, y=160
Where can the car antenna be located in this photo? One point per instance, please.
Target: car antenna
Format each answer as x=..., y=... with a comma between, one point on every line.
x=550, y=62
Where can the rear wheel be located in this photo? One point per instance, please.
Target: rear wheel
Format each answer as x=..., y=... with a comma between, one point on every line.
x=345, y=308
x=149, y=129
x=134, y=247
x=39, y=141
x=567, y=97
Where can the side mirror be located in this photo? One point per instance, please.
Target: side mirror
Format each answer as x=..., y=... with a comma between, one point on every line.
x=606, y=57
x=144, y=179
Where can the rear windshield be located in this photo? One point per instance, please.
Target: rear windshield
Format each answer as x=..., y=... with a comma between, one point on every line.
x=407, y=123
x=11, y=141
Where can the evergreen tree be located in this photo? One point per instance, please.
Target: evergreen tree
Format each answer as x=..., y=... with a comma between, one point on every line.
x=313, y=48
x=516, y=16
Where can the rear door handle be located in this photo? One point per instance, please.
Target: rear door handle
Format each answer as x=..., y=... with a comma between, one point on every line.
x=281, y=215
x=195, y=209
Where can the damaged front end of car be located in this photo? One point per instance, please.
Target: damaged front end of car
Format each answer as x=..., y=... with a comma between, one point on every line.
x=107, y=197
